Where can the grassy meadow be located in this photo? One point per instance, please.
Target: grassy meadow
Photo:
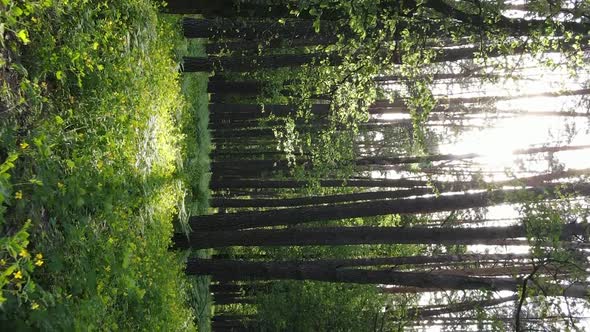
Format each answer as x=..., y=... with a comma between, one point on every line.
x=103, y=154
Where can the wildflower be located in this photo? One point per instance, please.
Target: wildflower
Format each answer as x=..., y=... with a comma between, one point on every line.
x=24, y=145
x=24, y=253
x=2, y=262
x=18, y=195
x=18, y=275
x=39, y=259
x=34, y=305
x=60, y=185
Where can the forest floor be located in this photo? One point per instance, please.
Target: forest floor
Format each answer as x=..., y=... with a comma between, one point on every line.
x=103, y=155
x=194, y=88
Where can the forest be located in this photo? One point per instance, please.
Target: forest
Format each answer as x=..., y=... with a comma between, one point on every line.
x=295, y=165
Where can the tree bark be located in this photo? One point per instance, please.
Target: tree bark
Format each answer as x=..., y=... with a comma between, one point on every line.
x=317, y=200
x=255, y=111
x=383, y=183
x=370, y=183
x=239, y=270
x=451, y=308
x=235, y=87
x=252, y=29
x=252, y=47
x=298, y=215
x=361, y=235
x=424, y=260
x=229, y=8
x=249, y=63
x=517, y=27
x=376, y=161
x=223, y=299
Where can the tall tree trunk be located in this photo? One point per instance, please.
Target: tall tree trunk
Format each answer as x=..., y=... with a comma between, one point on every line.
x=223, y=299
x=229, y=8
x=235, y=87
x=255, y=111
x=536, y=180
x=421, y=261
x=293, y=216
x=383, y=161
x=252, y=47
x=364, y=183
x=451, y=308
x=249, y=63
x=517, y=27
x=232, y=317
x=239, y=270
x=228, y=110
x=317, y=200
x=406, y=290
x=361, y=235
x=252, y=29
x=425, y=260
x=383, y=183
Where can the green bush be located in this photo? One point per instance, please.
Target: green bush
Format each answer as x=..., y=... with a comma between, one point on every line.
x=92, y=104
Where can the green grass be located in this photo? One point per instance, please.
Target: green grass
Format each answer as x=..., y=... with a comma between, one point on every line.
x=194, y=87
x=100, y=153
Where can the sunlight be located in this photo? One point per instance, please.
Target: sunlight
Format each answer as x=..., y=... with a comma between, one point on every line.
x=533, y=120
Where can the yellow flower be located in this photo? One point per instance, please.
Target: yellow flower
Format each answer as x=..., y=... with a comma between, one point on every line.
x=38, y=262
x=24, y=253
x=24, y=145
x=18, y=275
x=2, y=262
x=18, y=195
x=34, y=305
x=60, y=185
x=39, y=256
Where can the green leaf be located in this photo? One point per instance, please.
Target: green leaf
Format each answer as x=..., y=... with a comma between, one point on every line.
x=36, y=182
x=59, y=120
x=23, y=35
x=316, y=25
x=8, y=163
x=17, y=11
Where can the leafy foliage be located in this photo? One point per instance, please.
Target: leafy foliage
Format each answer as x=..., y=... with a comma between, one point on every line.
x=319, y=307
x=91, y=101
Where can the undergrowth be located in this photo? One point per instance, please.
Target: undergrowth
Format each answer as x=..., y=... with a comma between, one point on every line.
x=194, y=87
x=95, y=167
